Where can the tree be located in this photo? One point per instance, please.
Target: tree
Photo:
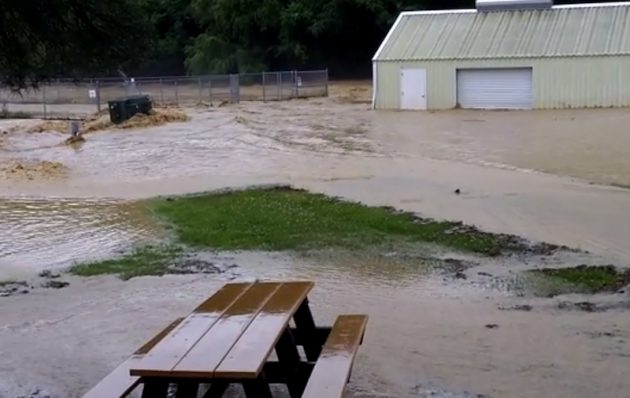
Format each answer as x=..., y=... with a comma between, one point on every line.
x=43, y=39
x=173, y=28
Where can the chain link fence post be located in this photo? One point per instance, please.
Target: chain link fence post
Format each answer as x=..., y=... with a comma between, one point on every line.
x=44, y=100
x=200, y=90
x=161, y=91
x=235, y=94
x=98, y=96
x=279, y=84
x=210, y=89
x=326, y=84
x=176, y=94
x=264, y=87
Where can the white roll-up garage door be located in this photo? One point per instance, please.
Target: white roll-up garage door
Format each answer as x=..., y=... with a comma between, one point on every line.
x=495, y=88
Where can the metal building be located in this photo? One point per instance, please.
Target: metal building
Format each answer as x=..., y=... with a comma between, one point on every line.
x=506, y=54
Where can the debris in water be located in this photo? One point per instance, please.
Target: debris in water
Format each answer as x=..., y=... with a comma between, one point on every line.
x=460, y=275
x=55, y=284
x=49, y=126
x=585, y=306
x=155, y=118
x=100, y=121
x=48, y=274
x=458, y=191
x=492, y=326
x=75, y=139
x=29, y=170
x=9, y=288
x=523, y=307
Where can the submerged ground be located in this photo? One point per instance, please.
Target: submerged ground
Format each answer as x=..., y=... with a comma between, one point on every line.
x=455, y=312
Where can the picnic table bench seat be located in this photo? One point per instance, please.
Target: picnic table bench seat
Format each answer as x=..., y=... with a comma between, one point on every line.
x=229, y=338
x=119, y=383
x=332, y=370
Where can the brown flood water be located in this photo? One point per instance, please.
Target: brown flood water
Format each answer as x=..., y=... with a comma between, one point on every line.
x=425, y=335
x=409, y=160
x=55, y=232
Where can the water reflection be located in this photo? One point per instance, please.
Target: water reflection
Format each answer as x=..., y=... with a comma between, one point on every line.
x=49, y=233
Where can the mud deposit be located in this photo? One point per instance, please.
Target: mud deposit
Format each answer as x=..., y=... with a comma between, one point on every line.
x=26, y=170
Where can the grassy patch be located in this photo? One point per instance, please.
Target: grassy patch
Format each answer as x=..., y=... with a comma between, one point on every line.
x=147, y=260
x=580, y=279
x=287, y=219
x=7, y=282
x=281, y=219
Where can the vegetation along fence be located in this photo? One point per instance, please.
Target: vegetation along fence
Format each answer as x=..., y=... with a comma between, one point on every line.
x=78, y=98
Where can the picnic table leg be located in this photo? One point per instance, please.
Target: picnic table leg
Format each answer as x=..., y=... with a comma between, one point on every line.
x=258, y=388
x=305, y=325
x=289, y=359
x=155, y=388
x=217, y=389
x=187, y=389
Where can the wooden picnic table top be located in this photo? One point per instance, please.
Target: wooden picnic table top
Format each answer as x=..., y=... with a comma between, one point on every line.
x=229, y=336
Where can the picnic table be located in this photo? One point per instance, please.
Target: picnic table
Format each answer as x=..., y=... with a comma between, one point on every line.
x=229, y=339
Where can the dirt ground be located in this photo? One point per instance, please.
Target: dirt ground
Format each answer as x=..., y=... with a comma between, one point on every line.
x=546, y=176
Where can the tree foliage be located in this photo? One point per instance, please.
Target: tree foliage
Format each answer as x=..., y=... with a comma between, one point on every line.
x=245, y=35
x=41, y=39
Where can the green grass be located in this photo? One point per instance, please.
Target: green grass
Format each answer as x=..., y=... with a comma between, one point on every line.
x=281, y=219
x=7, y=282
x=287, y=219
x=147, y=260
x=580, y=279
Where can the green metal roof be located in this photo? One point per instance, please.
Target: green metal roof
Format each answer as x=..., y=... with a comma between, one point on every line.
x=561, y=31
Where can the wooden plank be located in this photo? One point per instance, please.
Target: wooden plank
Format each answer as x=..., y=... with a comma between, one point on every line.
x=247, y=357
x=201, y=360
x=332, y=370
x=170, y=350
x=119, y=383
x=249, y=354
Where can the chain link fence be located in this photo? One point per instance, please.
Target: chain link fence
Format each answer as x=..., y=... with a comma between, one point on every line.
x=80, y=98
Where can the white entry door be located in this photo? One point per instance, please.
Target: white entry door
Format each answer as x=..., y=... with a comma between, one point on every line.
x=509, y=88
x=413, y=89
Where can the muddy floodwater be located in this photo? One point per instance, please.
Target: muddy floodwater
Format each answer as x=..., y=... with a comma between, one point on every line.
x=554, y=176
x=410, y=160
x=55, y=232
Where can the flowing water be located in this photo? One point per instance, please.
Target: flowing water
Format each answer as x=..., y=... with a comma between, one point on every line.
x=409, y=160
x=426, y=336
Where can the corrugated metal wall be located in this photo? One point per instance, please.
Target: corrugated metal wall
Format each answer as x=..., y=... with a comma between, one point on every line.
x=562, y=31
x=569, y=82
